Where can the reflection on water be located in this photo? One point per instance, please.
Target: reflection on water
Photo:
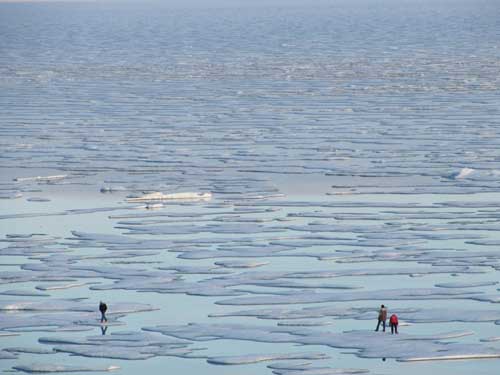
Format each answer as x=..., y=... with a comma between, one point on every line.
x=104, y=329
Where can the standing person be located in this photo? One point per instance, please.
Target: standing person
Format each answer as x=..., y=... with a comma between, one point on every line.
x=393, y=322
x=102, y=308
x=382, y=317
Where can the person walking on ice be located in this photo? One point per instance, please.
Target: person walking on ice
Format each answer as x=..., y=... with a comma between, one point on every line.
x=102, y=308
x=393, y=322
x=382, y=317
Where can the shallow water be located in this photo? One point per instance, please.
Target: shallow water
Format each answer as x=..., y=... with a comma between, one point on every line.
x=352, y=155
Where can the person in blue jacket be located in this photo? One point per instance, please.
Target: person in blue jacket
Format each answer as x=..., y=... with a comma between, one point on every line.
x=103, y=308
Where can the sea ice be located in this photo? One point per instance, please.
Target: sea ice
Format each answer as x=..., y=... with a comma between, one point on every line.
x=158, y=196
x=35, y=368
x=304, y=370
x=41, y=178
x=240, y=264
x=385, y=294
x=254, y=358
x=368, y=343
x=459, y=284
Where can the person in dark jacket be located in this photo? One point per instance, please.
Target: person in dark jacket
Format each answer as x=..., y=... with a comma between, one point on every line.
x=382, y=317
x=393, y=322
x=102, y=308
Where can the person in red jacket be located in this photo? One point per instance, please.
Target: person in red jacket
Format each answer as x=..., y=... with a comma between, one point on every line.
x=393, y=322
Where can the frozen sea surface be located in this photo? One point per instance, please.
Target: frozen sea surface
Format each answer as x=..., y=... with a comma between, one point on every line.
x=348, y=154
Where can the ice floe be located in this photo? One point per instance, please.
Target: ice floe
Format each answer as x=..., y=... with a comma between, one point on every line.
x=37, y=199
x=61, y=315
x=62, y=286
x=32, y=350
x=158, y=196
x=255, y=358
x=77, y=304
x=125, y=345
x=41, y=178
x=464, y=172
x=369, y=344
x=240, y=264
x=466, y=284
x=7, y=355
x=22, y=292
x=292, y=369
x=35, y=368
x=384, y=294
x=12, y=194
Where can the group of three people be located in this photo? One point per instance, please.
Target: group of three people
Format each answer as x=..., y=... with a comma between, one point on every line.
x=382, y=317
